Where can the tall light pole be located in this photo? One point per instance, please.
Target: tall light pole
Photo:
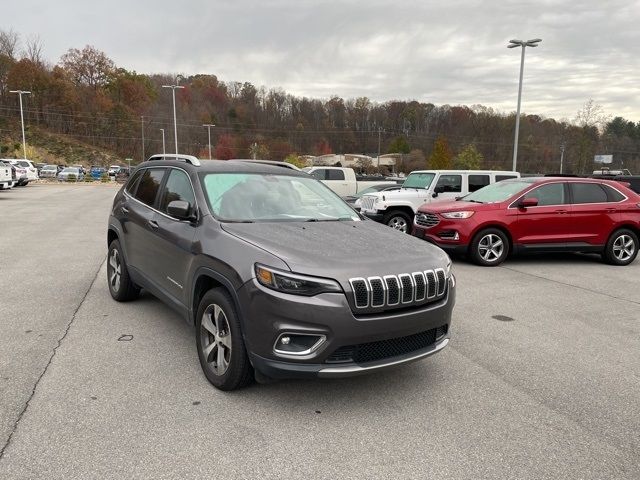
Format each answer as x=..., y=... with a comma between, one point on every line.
x=175, y=125
x=523, y=44
x=24, y=143
x=561, y=156
x=164, y=152
x=209, y=125
x=142, y=123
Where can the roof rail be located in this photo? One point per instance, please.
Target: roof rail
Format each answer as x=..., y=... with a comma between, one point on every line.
x=175, y=156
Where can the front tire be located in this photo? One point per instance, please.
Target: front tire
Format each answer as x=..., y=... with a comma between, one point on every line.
x=622, y=248
x=398, y=220
x=221, y=350
x=489, y=248
x=121, y=286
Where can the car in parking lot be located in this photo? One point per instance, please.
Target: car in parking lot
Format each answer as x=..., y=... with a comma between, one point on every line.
x=49, y=171
x=96, y=172
x=6, y=176
x=261, y=260
x=537, y=214
x=353, y=200
x=632, y=181
x=25, y=171
x=71, y=174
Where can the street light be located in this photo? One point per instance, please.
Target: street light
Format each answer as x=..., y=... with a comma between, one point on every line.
x=164, y=152
x=175, y=125
x=24, y=143
x=523, y=44
x=209, y=125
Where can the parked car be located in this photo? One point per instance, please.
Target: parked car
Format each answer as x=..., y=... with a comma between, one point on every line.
x=113, y=170
x=342, y=180
x=632, y=181
x=25, y=170
x=6, y=178
x=14, y=174
x=353, y=200
x=97, y=172
x=397, y=209
x=122, y=175
x=81, y=168
x=537, y=215
x=49, y=171
x=70, y=173
x=39, y=166
x=260, y=258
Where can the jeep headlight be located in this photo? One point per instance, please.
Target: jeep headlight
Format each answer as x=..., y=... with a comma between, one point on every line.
x=295, y=284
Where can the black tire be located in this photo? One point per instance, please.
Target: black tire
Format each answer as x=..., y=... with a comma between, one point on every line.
x=486, y=242
x=622, y=247
x=398, y=220
x=122, y=289
x=233, y=370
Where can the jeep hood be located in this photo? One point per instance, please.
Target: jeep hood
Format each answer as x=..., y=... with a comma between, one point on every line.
x=341, y=250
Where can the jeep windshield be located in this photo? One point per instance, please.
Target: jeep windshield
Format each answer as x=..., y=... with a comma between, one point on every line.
x=496, y=192
x=250, y=197
x=419, y=180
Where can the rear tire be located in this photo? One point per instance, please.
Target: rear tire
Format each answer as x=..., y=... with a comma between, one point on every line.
x=221, y=350
x=489, y=248
x=622, y=248
x=398, y=220
x=121, y=286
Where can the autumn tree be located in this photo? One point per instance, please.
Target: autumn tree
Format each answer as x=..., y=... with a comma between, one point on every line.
x=469, y=158
x=88, y=66
x=399, y=145
x=225, y=148
x=440, y=158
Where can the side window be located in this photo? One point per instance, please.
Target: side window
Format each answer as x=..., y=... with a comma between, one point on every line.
x=178, y=187
x=499, y=178
x=451, y=183
x=551, y=194
x=320, y=174
x=131, y=184
x=149, y=185
x=588, y=193
x=613, y=195
x=476, y=182
x=335, y=175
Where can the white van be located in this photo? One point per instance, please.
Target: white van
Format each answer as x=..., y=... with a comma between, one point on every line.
x=397, y=208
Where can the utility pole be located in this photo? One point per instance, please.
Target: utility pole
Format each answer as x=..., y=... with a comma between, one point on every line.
x=24, y=143
x=209, y=125
x=255, y=149
x=561, y=157
x=379, y=132
x=523, y=44
x=164, y=151
x=142, y=123
x=175, y=125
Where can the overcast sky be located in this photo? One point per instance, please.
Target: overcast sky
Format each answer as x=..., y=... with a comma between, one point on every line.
x=440, y=52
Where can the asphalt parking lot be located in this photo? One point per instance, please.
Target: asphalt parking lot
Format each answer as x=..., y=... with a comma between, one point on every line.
x=541, y=378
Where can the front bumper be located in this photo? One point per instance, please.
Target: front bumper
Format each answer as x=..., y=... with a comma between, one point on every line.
x=267, y=314
x=377, y=216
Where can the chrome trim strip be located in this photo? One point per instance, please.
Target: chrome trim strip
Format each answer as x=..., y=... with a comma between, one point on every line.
x=353, y=290
x=415, y=286
x=386, y=284
x=321, y=340
x=384, y=293
x=355, y=369
x=426, y=276
x=174, y=282
x=444, y=282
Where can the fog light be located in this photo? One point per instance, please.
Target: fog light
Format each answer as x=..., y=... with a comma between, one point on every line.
x=298, y=344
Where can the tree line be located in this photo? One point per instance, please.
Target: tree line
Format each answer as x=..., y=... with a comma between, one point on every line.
x=87, y=97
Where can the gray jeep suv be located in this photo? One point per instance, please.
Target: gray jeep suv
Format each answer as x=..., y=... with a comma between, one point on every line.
x=280, y=277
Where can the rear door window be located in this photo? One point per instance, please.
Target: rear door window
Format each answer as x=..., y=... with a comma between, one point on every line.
x=320, y=174
x=149, y=185
x=476, y=182
x=131, y=185
x=588, y=193
x=450, y=183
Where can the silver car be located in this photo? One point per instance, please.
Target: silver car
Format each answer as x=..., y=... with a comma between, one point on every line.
x=67, y=174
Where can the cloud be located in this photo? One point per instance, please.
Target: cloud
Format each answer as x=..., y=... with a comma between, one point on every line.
x=453, y=52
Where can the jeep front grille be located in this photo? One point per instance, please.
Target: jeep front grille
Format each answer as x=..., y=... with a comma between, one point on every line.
x=367, y=202
x=427, y=220
x=398, y=290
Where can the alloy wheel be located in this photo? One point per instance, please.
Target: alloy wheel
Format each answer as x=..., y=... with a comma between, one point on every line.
x=215, y=339
x=491, y=248
x=623, y=248
x=116, y=270
x=398, y=223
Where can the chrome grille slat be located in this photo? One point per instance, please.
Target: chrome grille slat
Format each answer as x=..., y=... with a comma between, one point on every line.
x=367, y=202
x=398, y=290
x=427, y=220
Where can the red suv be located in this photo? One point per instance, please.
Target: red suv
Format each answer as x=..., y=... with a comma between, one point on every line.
x=537, y=215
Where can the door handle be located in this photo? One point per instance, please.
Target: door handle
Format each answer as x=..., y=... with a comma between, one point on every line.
x=561, y=211
x=611, y=210
x=124, y=209
x=153, y=224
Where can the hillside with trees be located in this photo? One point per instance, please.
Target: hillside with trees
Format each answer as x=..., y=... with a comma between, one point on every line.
x=86, y=99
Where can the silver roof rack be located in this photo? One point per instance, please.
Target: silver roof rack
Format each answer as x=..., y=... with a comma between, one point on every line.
x=173, y=156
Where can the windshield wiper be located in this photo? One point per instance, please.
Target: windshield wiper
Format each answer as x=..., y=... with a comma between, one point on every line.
x=474, y=201
x=238, y=221
x=341, y=219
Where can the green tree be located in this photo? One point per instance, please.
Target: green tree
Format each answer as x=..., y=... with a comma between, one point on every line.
x=399, y=145
x=295, y=159
x=469, y=158
x=441, y=155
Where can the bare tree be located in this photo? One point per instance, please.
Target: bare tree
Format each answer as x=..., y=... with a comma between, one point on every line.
x=9, y=41
x=591, y=115
x=33, y=49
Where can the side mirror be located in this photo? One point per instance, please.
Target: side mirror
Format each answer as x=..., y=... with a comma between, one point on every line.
x=438, y=190
x=528, y=202
x=180, y=209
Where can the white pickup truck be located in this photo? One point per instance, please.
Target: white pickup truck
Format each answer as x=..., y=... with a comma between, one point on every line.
x=342, y=180
x=397, y=208
x=6, y=181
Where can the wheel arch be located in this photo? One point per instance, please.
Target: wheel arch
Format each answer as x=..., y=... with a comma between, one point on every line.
x=204, y=280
